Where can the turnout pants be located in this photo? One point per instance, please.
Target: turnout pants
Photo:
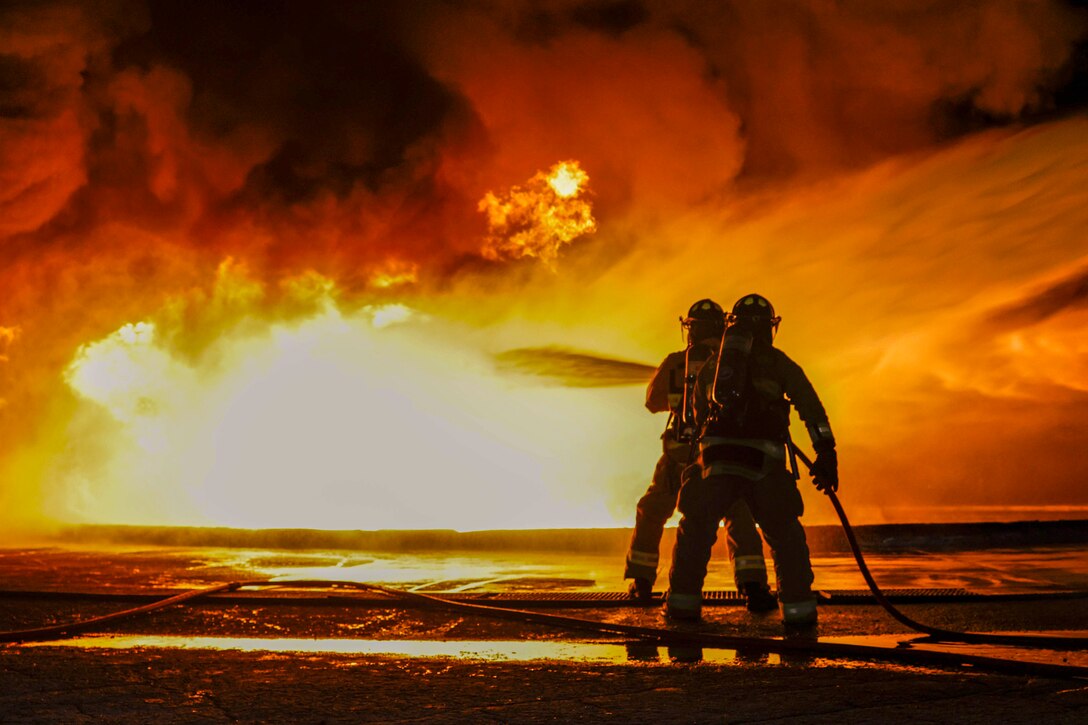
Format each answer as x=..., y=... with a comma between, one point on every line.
x=776, y=505
x=658, y=504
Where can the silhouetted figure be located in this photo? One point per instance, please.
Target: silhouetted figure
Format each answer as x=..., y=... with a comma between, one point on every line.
x=671, y=389
x=742, y=405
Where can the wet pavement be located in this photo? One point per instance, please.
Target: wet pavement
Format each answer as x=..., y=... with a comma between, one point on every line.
x=122, y=569
x=331, y=656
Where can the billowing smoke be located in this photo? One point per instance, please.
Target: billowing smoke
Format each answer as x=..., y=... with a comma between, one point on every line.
x=901, y=179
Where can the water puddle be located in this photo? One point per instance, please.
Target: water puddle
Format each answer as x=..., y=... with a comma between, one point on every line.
x=546, y=650
x=488, y=650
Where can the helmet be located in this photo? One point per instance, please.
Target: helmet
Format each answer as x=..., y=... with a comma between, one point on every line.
x=755, y=312
x=706, y=310
x=705, y=319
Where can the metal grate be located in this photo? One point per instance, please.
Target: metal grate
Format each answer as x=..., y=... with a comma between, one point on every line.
x=718, y=597
x=555, y=599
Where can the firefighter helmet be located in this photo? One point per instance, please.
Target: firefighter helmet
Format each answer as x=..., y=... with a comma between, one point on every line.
x=756, y=312
x=705, y=310
x=705, y=319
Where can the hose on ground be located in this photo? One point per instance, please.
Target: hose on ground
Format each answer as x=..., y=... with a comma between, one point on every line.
x=61, y=631
x=934, y=633
x=668, y=637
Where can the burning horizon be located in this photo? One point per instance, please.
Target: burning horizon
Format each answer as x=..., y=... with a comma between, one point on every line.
x=375, y=267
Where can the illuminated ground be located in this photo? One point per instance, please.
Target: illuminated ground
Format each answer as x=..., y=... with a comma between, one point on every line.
x=306, y=657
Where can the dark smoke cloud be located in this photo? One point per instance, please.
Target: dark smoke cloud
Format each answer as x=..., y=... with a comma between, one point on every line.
x=46, y=50
x=230, y=126
x=331, y=83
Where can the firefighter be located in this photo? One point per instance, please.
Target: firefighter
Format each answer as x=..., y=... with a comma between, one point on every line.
x=742, y=406
x=670, y=389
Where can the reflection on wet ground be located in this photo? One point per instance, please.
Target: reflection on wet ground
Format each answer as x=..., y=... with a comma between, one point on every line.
x=549, y=650
x=334, y=624
x=131, y=569
x=491, y=650
x=483, y=650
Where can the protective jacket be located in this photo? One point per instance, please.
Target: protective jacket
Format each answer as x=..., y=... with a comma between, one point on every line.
x=739, y=439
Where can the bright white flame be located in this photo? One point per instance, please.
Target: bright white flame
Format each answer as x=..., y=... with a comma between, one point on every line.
x=387, y=315
x=567, y=178
x=378, y=419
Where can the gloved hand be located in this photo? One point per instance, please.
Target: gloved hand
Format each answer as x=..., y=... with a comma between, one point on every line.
x=825, y=470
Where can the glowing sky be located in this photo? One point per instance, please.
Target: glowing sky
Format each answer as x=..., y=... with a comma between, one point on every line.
x=261, y=263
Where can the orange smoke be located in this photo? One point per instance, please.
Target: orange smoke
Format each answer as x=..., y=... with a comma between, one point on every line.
x=280, y=242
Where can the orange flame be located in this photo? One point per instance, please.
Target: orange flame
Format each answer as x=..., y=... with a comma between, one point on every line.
x=394, y=273
x=536, y=219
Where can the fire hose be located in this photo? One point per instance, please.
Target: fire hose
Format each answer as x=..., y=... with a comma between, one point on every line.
x=669, y=637
x=934, y=634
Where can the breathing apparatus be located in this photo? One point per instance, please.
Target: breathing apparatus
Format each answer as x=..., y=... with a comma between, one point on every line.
x=705, y=320
x=751, y=320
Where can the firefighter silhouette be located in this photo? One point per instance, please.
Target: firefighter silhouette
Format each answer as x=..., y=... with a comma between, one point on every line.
x=671, y=389
x=743, y=395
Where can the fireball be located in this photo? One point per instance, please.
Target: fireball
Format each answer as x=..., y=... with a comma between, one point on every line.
x=535, y=220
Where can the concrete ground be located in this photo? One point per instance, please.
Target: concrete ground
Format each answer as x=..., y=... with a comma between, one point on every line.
x=62, y=685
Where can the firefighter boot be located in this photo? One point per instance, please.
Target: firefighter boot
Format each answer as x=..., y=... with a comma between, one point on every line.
x=683, y=607
x=758, y=597
x=641, y=590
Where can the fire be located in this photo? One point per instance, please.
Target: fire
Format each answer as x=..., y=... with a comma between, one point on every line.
x=567, y=179
x=537, y=219
x=387, y=315
x=368, y=418
x=395, y=273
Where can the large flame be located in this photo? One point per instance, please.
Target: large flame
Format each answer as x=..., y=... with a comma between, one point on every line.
x=375, y=418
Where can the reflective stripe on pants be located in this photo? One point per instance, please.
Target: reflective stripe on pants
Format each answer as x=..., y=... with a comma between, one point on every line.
x=745, y=546
x=749, y=569
x=641, y=565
